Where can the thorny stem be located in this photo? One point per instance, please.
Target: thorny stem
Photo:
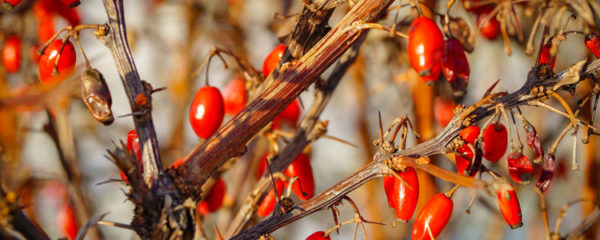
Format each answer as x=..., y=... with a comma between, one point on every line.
x=116, y=41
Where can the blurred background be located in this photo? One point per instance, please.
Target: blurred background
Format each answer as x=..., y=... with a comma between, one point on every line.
x=169, y=39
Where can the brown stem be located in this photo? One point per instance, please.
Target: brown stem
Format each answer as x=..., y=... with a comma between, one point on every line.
x=116, y=41
x=231, y=138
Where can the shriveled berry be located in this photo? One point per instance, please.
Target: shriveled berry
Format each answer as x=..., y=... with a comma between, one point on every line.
x=533, y=141
x=509, y=206
x=455, y=66
x=495, y=141
x=207, y=111
x=547, y=172
x=425, y=48
x=433, y=217
x=519, y=167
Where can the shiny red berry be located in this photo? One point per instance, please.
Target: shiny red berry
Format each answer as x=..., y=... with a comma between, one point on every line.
x=455, y=66
x=495, y=141
x=67, y=223
x=509, y=206
x=407, y=193
x=443, y=109
x=206, y=111
x=11, y=54
x=304, y=187
x=519, y=167
x=235, y=96
x=133, y=146
x=491, y=28
x=546, y=57
x=320, y=235
x=463, y=159
x=433, y=217
x=214, y=199
x=390, y=192
x=66, y=61
x=425, y=48
x=273, y=59
x=290, y=114
x=592, y=41
x=268, y=203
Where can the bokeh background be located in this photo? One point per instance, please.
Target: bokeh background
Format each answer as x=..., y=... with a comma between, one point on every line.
x=169, y=39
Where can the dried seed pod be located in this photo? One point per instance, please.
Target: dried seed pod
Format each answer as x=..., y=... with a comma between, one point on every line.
x=533, y=140
x=96, y=95
x=519, y=167
x=547, y=172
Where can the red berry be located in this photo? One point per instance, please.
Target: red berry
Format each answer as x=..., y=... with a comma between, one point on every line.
x=235, y=96
x=206, y=111
x=177, y=163
x=390, y=192
x=71, y=3
x=407, y=193
x=66, y=61
x=10, y=4
x=69, y=14
x=546, y=57
x=519, y=167
x=318, y=236
x=443, y=108
x=463, y=159
x=469, y=134
x=289, y=114
x=425, y=48
x=11, y=54
x=268, y=203
x=491, y=28
x=433, y=217
x=133, y=146
x=45, y=29
x=273, y=59
x=592, y=41
x=304, y=187
x=35, y=57
x=67, y=223
x=214, y=199
x=509, y=206
x=455, y=66
x=495, y=141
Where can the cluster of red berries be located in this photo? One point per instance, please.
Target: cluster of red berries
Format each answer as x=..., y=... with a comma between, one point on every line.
x=209, y=105
x=430, y=55
x=304, y=187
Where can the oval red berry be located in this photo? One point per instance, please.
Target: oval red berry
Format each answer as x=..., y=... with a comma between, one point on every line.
x=425, y=48
x=66, y=61
x=273, y=59
x=235, y=96
x=433, y=217
x=509, y=206
x=495, y=141
x=304, y=187
x=11, y=54
x=206, y=111
x=214, y=199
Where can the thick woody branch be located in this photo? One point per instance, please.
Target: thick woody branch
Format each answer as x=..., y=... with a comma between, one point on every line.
x=231, y=138
x=303, y=136
x=139, y=95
